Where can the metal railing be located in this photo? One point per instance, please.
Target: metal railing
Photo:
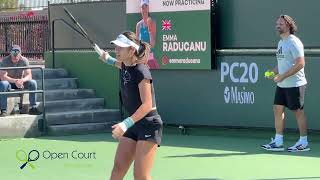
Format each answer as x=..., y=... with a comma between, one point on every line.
x=42, y=123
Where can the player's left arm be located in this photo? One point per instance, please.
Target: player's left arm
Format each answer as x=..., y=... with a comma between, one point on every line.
x=142, y=111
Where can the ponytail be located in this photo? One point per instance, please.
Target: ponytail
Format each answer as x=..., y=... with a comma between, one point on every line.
x=143, y=53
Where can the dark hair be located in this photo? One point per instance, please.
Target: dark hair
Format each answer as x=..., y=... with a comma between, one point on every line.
x=290, y=22
x=144, y=48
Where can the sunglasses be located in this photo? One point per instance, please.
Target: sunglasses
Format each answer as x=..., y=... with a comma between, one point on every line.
x=15, y=52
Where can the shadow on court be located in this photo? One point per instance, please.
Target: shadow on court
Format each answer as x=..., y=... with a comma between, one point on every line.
x=298, y=178
x=206, y=155
x=238, y=141
x=200, y=179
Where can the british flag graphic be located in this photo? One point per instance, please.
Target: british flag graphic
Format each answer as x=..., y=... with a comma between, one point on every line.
x=166, y=25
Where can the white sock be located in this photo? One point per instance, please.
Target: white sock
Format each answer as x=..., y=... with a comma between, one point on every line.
x=303, y=139
x=278, y=138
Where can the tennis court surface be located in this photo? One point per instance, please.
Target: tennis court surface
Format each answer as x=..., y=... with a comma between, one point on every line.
x=209, y=154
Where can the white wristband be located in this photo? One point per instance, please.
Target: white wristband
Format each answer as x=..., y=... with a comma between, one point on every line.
x=123, y=126
x=127, y=123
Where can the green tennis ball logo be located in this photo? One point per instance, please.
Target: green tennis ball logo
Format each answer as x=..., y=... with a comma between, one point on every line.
x=269, y=74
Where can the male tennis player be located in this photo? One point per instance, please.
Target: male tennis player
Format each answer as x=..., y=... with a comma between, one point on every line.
x=291, y=85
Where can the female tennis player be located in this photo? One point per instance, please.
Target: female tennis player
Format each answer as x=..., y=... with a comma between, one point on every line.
x=139, y=134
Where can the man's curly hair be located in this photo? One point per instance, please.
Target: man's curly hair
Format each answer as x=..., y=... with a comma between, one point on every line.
x=290, y=22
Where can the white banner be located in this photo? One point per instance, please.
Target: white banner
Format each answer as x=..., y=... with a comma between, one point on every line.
x=133, y=6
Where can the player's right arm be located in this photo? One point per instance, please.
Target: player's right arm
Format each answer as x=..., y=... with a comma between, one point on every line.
x=275, y=70
x=106, y=58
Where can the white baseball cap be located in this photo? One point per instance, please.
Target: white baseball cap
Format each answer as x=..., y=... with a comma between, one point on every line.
x=123, y=41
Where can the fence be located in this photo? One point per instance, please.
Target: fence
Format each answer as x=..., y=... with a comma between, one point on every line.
x=28, y=30
x=38, y=4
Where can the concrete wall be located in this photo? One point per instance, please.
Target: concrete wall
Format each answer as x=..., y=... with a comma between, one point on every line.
x=200, y=96
x=251, y=23
x=236, y=94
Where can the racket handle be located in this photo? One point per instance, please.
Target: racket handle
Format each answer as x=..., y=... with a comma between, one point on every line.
x=23, y=165
x=97, y=49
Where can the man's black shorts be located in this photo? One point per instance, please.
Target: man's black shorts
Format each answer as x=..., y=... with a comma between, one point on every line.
x=147, y=129
x=292, y=98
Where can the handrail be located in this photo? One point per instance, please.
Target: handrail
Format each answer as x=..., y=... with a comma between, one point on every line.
x=43, y=124
x=261, y=52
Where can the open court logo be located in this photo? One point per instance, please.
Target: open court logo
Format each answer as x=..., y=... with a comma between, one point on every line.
x=27, y=159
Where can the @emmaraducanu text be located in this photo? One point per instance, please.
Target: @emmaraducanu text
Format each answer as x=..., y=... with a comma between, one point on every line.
x=75, y=154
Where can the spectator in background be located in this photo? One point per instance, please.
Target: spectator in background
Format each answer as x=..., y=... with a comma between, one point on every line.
x=17, y=79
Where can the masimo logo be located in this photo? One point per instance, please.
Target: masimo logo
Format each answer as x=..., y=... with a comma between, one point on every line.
x=240, y=76
x=234, y=95
x=226, y=95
